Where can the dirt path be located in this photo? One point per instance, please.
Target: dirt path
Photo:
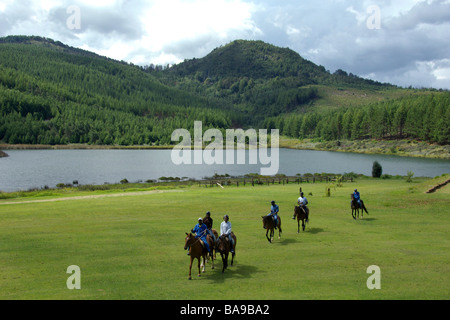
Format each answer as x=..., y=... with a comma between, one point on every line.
x=100, y=196
x=439, y=186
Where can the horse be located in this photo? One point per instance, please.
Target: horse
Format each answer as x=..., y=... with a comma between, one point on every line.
x=269, y=225
x=224, y=247
x=300, y=213
x=355, y=207
x=197, y=251
x=216, y=238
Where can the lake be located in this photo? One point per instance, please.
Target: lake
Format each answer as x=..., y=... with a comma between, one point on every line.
x=26, y=169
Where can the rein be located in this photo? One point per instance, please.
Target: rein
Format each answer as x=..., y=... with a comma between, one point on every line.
x=198, y=239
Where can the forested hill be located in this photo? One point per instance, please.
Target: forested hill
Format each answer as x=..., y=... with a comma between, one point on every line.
x=51, y=93
x=260, y=79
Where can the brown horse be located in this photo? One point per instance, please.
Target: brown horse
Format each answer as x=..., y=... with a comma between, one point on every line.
x=197, y=251
x=355, y=207
x=300, y=213
x=216, y=237
x=224, y=247
x=269, y=225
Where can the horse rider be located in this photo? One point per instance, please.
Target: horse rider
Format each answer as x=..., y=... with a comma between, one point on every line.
x=201, y=231
x=225, y=230
x=274, y=209
x=357, y=197
x=303, y=203
x=208, y=221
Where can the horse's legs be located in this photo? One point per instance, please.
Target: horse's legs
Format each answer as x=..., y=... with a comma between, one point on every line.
x=298, y=226
x=211, y=253
x=279, y=232
x=303, y=225
x=204, y=264
x=232, y=257
x=199, y=260
x=224, y=262
x=190, y=268
x=267, y=236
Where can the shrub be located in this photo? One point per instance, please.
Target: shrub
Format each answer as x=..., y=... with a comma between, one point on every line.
x=409, y=176
x=377, y=170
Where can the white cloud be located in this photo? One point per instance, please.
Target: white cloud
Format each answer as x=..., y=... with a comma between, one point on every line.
x=169, y=21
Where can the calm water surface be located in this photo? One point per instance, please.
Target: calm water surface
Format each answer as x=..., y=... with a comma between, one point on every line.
x=25, y=169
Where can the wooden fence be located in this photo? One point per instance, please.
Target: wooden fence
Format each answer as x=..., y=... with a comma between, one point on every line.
x=260, y=181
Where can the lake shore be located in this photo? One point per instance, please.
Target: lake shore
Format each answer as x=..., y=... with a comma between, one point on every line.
x=404, y=148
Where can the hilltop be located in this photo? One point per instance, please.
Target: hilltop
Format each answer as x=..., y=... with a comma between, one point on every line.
x=264, y=80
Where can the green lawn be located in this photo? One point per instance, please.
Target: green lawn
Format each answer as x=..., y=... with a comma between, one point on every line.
x=131, y=247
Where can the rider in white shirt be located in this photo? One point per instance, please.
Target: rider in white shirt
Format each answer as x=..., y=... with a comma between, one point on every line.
x=225, y=230
x=303, y=202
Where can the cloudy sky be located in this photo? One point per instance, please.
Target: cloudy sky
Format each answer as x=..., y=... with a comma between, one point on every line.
x=405, y=42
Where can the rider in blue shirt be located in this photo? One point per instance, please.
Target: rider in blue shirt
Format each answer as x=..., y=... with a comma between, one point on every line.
x=201, y=230
x=357, y=197
x=274, y=209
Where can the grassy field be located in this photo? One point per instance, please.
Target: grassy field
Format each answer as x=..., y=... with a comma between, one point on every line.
x=131, y=247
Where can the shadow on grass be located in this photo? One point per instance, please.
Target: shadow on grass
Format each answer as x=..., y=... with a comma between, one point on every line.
x=285, y=241
x=368, y=219
x=237, y=271
x=314, y=230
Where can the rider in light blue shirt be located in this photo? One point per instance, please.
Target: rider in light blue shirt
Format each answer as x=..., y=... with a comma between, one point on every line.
x=274, y=209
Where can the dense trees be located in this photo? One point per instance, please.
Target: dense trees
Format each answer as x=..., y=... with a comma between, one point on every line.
x=53, y=94
x=423, y=116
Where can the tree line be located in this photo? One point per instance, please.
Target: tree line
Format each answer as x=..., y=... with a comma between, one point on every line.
x=55, y=96
x=424, y=117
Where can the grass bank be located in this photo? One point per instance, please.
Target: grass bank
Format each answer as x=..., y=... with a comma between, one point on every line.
x=131, y=247
x=407, y=148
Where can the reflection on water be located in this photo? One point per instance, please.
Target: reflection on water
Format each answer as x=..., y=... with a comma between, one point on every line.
x=25, y=169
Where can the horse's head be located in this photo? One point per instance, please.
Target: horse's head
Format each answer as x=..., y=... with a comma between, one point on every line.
x=352, y=196
x=188, y=240
x=264, y=220
x=296, y=210
x=222, y=244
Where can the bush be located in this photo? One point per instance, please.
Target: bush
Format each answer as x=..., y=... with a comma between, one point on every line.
x=377, y=170
x=409, y=176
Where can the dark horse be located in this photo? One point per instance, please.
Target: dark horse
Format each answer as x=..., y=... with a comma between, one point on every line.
x=224, y=248
x=197, y=251
x=300, y=213
x=355, y=207
x=269, y=225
